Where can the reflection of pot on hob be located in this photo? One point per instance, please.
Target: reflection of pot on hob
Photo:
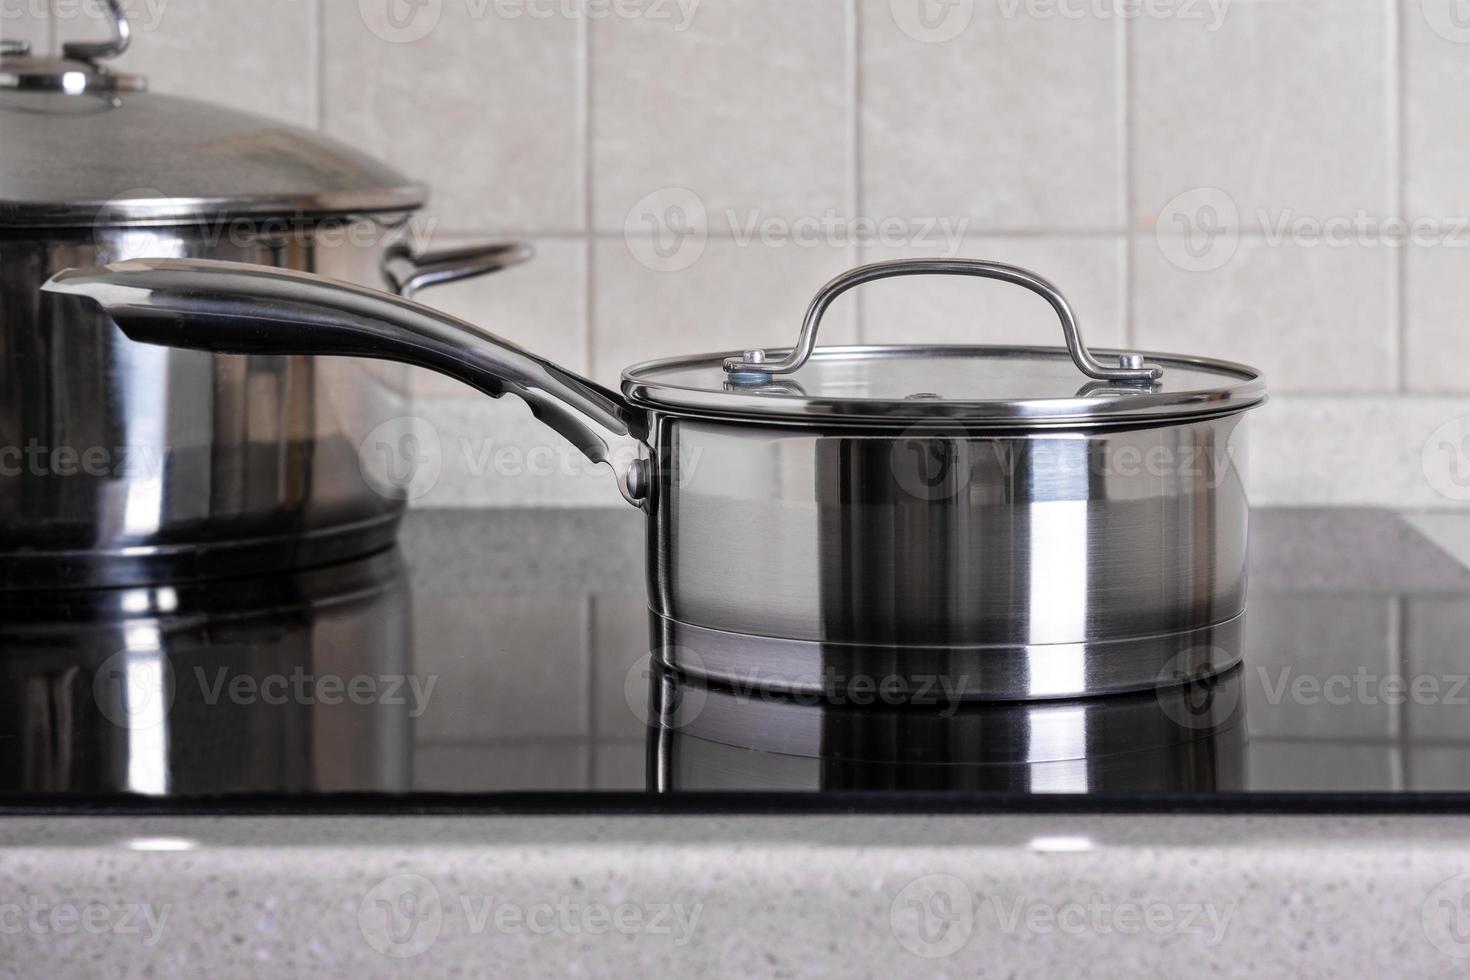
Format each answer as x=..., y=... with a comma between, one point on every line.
x=1183, y=738
x=209, y=688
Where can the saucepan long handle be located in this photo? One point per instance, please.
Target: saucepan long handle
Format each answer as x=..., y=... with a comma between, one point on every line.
x=235, y=308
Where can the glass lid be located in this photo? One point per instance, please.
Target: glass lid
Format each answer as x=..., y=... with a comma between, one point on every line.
x=993, y=385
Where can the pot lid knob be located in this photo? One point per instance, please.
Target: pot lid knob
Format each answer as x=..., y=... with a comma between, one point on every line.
x=756, y=368
x=77, y=70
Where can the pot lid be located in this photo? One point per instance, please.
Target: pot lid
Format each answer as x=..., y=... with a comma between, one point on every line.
x=1005, y=386
x=83, y=146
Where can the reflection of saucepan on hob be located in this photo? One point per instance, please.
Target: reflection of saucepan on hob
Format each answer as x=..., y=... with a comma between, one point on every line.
x=246, y=686
x=1181, y=738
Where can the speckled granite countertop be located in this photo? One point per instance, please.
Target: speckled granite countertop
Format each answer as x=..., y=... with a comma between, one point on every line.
x=885, y=897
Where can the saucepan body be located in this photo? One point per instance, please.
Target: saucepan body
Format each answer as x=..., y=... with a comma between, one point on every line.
x=1030, y=564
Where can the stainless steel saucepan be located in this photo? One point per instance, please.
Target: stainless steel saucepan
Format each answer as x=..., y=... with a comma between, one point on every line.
x=984, y=518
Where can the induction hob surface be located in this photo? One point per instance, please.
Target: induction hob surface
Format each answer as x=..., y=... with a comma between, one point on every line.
x=499, y=660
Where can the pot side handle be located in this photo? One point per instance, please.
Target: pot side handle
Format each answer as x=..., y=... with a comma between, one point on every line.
x=238, y=308
x=407, y=272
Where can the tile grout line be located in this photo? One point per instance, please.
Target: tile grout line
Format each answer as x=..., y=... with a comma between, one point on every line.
x=319, y=49
x=1398, y=638
x=722, y=235
x=1126, y=83
x=589, y=665
x=1398, y=183
x=589, y=218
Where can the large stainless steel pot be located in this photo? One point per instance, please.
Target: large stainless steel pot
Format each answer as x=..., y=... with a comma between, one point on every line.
x=971, y=515
x=121, y=464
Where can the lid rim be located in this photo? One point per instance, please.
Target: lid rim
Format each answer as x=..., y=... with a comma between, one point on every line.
x=154, y=212
x=1247, y=390
x=147, y=158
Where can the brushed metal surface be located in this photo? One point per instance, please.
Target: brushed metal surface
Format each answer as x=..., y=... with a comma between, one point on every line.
x=941, y=537
x=123, y=463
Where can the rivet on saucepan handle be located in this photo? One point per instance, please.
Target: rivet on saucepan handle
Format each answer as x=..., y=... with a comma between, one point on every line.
x=755, y=367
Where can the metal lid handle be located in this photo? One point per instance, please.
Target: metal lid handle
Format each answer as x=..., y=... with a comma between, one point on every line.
x=753, y=367
x=95, y=51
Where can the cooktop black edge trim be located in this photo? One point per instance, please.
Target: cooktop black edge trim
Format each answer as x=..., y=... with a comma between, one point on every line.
x=739, y=804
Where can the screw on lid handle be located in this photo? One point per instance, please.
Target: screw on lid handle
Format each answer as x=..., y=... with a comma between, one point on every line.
x=754, y=367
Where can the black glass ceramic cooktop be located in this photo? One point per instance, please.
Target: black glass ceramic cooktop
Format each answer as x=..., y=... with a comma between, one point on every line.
x=500, y=660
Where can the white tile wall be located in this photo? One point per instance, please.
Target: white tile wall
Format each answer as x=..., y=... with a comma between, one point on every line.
x=490, y=109
x=1285, y=106
x=748, y=107
x=1315, y=319
x=28, y=23
x=1015, y=122
x=1217, y=177
x=217, y=51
